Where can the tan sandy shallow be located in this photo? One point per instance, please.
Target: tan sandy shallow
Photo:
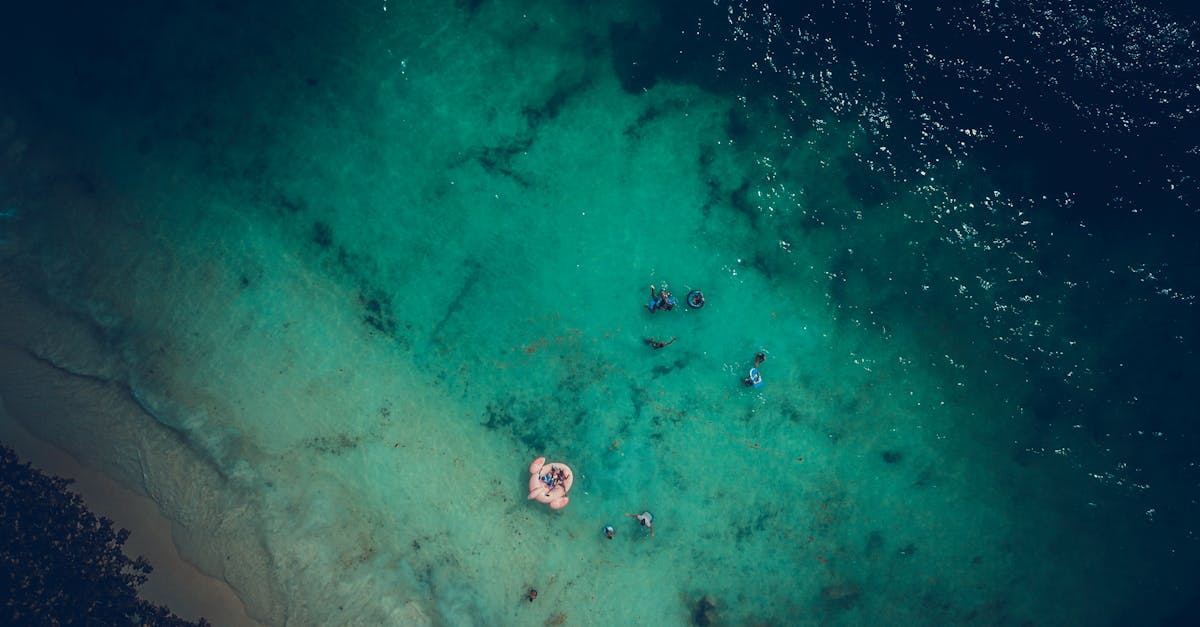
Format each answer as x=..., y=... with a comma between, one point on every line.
x=33, y=392
x=175, y=582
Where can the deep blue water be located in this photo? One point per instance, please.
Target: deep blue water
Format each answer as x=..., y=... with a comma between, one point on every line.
x=1080, y=121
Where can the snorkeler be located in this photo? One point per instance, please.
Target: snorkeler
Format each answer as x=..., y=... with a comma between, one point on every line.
x=655, y=344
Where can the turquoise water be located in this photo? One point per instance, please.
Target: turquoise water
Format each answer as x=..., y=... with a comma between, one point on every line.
x=361, y=264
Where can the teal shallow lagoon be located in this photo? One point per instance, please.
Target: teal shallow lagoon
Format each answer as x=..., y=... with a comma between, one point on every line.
x=356, y=269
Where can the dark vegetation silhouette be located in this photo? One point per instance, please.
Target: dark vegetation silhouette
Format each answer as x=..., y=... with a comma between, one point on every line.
x=59, y=563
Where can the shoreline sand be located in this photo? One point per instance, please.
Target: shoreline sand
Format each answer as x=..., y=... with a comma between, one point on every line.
x=29, y=387
x=175, y=582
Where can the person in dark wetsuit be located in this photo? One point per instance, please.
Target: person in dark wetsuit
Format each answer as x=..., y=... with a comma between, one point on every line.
x=655, y=344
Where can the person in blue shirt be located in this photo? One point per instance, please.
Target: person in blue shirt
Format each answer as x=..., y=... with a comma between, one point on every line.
x=662, y=300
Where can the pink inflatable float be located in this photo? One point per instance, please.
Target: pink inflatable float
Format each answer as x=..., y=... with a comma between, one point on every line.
x=549, y=483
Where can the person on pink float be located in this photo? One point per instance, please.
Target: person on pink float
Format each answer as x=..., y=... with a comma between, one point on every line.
x=549, y=483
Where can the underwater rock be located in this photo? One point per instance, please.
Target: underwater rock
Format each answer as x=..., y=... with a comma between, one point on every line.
x=704, y=611
x=874, y=543
x=841, y=595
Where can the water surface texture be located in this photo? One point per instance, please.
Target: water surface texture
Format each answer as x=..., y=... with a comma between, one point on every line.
x=322, y=279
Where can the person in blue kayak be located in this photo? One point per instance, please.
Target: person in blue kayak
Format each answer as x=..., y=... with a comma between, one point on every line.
x=755, y=379
x=661, y=300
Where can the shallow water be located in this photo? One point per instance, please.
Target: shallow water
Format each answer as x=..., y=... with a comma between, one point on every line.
x=353, y=268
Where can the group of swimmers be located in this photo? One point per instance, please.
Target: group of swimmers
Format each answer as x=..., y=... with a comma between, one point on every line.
x=645, y=519
x=665, y=301
x=695, y=299
x=659, y=300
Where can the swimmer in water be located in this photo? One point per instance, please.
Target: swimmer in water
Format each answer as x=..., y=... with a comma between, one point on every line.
x=755, y=379
x=655, y=344
x=662, y=300
x=645, y=519
x=609, y=532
